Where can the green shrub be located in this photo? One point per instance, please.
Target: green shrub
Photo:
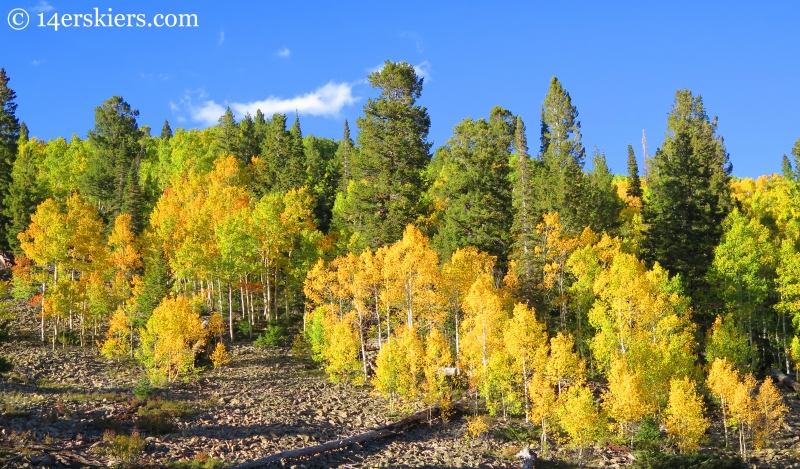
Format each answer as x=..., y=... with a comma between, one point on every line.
x=244, y=328
x=654, y=460
x=157, y=416
x=648, y=435
x=315, y=334
x=201, y=461
x=124, y=448
x=143, y=388
x=272, y=336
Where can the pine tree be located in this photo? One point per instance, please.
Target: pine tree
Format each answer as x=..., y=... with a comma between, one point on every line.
x=166, y=130
x=344, y=156
x=634, y=183
x=472, y=187
x=523, y=227
x=564, y=183
x=9, y=136
x=249, y=142
x=689, y=194
x=796, y=154
x=228, y=134
x=603, y=205
x=393, y=152
x=118, y=144
x=25, y=192
x=293, y=171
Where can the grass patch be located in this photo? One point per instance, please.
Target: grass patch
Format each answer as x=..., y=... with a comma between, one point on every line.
x=157, y=416
x=200, y=461
x=648, y=460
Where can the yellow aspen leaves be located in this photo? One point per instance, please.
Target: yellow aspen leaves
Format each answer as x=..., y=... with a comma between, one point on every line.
x=564, y=364
x=482, y=328
x=170, y=339
x=579, y=418
x=525, y=341
x=117, y=343
x=625, y=400
x=685, y=415
x=220, y=356
x=341, y=347
x=770, y=410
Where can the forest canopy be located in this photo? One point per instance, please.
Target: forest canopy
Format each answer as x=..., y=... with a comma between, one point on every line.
x=522, y=266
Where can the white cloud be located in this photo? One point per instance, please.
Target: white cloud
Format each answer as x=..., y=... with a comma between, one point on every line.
x=423, y=70
x=37, y=62
x=221, y=38
x=326, y=101
x=285, y=52
x=416, y=38
x=42, y=7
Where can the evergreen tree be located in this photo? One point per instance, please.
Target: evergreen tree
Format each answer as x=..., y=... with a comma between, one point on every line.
x=166, y=130
x=786, y=169
x=26, y=191
x=293, y=170
x=634, y=183
x=473, y=188
x=228, y=134
x=393, y=145
x=525, y=216
x=796, y=154
x=9, y=136
x=322, y=177
x=344, y=156
x=689, y=195
x=249, y=143
x=602, y=203
x=119, y=144
x=23, y=133
x=281, y=165
x=563, y=188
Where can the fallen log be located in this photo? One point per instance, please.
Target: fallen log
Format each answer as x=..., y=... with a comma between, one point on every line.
x=374, y=434
x=785, y=380
x=65, y=457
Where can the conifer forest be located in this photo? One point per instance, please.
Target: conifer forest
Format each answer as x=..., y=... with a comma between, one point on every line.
x=190, y=298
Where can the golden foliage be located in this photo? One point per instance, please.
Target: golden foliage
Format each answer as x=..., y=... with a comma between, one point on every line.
x=685, y=419
x=171, y=338
x=220, y=356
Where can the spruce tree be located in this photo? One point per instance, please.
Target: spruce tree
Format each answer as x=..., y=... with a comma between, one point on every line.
x=564, y=188
x=786, y=169
x=634, y=183
x=796, y=154
x=166, y=130
x=293, y=172
x=689, y=195
x=228, y=134
x=473, y=187
x=602, y=203
x=525, y=215
x=249, y=144
x=394, y=151
x=343, y=157
x=26, y=191
x=9, y=136
x=322, y=177
x=112, y=168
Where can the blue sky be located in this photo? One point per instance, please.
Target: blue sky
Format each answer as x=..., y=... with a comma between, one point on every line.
x=620, y=61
